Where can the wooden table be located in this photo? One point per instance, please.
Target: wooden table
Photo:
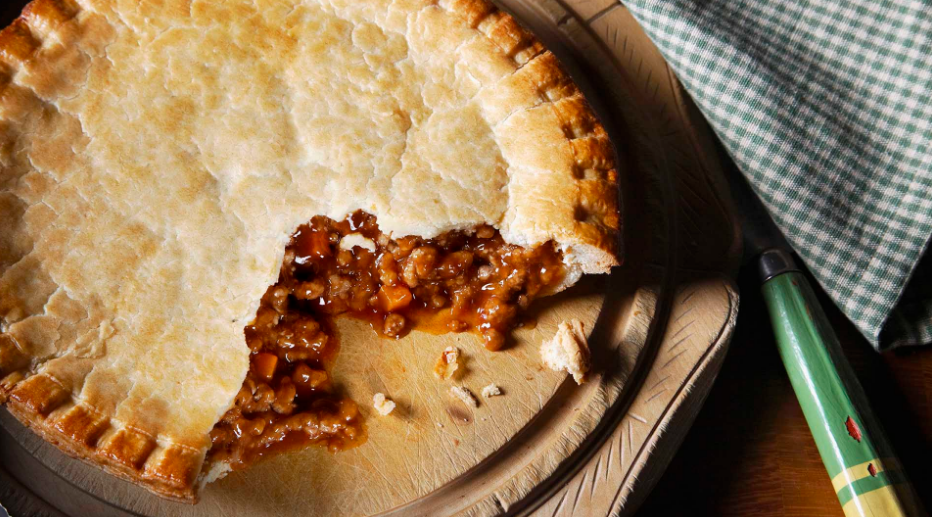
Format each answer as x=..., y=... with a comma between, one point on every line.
x=750, y=451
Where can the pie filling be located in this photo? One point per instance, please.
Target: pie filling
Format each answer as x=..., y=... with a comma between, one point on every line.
x=457, y=282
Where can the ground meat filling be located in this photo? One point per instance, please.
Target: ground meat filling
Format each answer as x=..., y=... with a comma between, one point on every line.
x=457, y=282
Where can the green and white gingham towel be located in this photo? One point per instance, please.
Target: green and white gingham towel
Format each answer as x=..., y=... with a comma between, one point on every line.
x=826, y=106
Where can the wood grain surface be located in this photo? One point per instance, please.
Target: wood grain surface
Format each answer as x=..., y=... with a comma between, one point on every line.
x=750, y=451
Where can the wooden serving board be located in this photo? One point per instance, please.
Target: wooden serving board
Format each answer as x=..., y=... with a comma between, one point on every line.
x=660, y=324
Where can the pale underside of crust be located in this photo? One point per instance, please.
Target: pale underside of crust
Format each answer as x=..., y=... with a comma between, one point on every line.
x=156, y=155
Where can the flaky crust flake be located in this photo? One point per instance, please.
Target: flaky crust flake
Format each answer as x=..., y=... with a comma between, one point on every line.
x=155, y=156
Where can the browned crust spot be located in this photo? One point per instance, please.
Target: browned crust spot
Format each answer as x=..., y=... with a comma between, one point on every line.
x=43, y=405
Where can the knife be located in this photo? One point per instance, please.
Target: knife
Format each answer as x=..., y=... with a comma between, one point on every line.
x=865, y=474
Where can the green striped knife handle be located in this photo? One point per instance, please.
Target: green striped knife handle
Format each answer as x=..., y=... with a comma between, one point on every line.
x=865, y=474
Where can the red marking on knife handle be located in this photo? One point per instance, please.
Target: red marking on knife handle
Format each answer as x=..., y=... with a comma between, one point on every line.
x=853, y=430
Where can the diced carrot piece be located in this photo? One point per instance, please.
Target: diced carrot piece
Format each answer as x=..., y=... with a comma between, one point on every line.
x=394, y=297
x=265, y=364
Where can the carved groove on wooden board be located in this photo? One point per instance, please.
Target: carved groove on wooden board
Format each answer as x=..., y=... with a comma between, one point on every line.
x=624, y=457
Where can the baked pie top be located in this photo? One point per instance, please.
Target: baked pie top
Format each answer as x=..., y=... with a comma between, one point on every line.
x=156, y=156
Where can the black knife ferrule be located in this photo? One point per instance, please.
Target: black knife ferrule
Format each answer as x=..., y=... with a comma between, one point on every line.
x=775, y=262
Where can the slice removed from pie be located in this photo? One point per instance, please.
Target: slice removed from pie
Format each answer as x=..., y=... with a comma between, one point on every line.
x=420, y=164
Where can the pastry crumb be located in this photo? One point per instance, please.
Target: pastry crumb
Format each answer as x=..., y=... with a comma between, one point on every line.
x=447, y=364
x=491, y=391
x=463, y=393
x=382, y=404
x=352, y=240
x=567, y=350
x=216, y=472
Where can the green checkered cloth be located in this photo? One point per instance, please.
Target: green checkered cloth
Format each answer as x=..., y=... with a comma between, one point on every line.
x=826, y=107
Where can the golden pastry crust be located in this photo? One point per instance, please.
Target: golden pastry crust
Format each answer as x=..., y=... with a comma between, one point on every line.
x=153, y=162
